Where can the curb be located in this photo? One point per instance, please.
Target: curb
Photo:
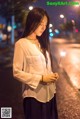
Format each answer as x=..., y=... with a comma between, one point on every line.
x=62, y=71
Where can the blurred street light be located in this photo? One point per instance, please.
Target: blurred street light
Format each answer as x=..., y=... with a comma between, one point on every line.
x=4, y=37
x=9, y=28
x=30, y=7
x=73, y=21
x=51, y=34
x=50, y=25
x=63, y=17
x=56, y=31
x=62, y=54
x=74, y=26
x=50, y=30
x=77, y=5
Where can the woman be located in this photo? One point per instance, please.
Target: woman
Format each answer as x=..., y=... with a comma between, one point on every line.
x=32, y=66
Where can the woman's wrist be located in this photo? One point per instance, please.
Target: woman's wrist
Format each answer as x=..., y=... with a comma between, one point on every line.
x=42, y=78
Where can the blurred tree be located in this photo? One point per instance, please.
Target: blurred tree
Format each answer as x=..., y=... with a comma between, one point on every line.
x=68, y=26
x=14, y=7
x=13, y=11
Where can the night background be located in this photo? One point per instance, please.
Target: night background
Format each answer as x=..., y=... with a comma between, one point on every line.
x=64, y=36
x=68, y=23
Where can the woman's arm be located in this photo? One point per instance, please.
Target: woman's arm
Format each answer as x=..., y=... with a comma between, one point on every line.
x=30, y=79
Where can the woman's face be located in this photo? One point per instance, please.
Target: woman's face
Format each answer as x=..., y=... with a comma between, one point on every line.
x=42, y=26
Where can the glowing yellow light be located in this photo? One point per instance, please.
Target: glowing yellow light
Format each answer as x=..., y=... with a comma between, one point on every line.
x=9, y=28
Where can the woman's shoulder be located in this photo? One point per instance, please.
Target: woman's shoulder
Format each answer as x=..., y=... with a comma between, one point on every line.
x=22, y=41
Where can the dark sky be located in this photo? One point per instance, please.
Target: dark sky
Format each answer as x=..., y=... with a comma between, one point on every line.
x=55, y=11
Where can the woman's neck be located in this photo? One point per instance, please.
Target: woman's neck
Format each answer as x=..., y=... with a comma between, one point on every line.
x=32, y=37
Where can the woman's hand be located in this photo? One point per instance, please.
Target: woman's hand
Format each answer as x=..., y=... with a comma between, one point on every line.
x=50, y=77
x=56, y=75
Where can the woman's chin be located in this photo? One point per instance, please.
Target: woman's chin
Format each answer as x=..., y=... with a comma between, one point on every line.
x=39, y=34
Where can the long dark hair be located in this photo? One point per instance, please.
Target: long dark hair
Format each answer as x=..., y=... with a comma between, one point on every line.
x=33, y=20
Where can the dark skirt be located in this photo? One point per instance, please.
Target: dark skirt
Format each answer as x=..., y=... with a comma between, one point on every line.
x=34, y=109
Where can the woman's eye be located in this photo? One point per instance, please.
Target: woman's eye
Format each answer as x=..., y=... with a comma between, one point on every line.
x=43, y=25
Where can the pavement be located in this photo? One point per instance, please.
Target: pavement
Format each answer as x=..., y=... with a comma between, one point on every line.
x=10, y=89
x=68, y=99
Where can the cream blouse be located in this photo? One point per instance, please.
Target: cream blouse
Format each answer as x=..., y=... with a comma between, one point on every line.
x=28, y=67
